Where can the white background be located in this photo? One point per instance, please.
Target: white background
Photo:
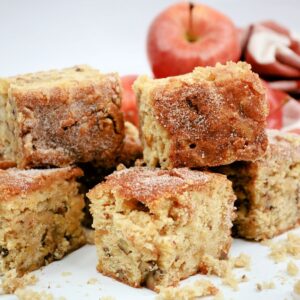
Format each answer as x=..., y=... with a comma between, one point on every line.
x=109, y=35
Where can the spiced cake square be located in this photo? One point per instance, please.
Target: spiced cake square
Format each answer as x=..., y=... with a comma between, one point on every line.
x=212, y=116
x=40, y=217
x=153, y=227
x=61, y=117
x=268, y=190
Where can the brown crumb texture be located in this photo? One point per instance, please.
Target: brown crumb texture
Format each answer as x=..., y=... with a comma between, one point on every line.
x=11, y=281
x=46, y=204
x=268, y=190
x=153, y=227
x=210, y=117
x=61, y=117
x=200, y=288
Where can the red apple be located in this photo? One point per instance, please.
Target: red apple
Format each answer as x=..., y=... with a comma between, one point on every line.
x=129, y=106
x=185, y=36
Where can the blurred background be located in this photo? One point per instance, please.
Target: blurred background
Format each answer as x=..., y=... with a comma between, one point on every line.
x=109, y=35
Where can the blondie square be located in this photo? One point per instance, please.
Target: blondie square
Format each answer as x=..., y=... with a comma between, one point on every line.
x=61, y=117
x=40, y=216
x=268, y=190
x=153, y=227
x=212, y=116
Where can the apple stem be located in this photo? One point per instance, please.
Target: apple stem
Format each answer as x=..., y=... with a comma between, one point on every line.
x=191, y=37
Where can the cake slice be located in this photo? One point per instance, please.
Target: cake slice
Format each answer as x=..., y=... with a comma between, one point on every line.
x=40, y=216
x=268, y=190
x=212, y=116
x=58, y=118
x=153, y=227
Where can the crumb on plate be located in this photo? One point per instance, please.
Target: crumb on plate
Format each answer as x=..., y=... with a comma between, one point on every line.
x=265, y=286
x=92, y=281
x=107, y=298
x=292, y=268
x=27, y=294
x=11, y=281
x=200, y=288
x=290, y=246
x=242, y=261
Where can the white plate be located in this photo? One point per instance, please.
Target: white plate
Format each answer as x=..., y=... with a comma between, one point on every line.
x=69, y=277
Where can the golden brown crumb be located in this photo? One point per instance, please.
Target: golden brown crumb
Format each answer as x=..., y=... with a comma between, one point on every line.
x=120, y=167
x=289, y=246
x=92, y=281
x=223, y=269
x=107, y=298
x=217, y=267
x=200, y=288
x=292, y=269
x=297, y=287
x=12, y=281
x=265, y=286
x=26, y=294
x=242, y=261
x=231, y=280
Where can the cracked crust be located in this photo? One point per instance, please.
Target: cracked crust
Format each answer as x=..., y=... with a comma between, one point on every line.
x=65, y=117
x=212, y=116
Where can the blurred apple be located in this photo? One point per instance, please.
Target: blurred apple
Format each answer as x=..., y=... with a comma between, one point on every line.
x=275, y=120
x=185, y=36
x=296, y=130
x=129, y=105
x=276, y=100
